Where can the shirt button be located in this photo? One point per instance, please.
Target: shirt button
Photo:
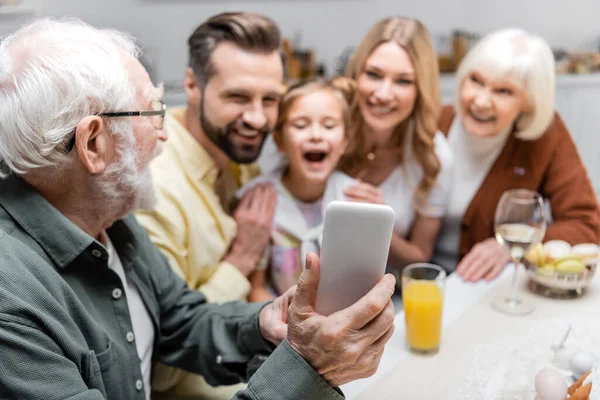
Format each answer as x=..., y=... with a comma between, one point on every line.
x=130, y=337
x=139, y=385
x=117, y=293
x=96, y=253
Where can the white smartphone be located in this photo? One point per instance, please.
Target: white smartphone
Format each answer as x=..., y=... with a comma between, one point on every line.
x=354, y=252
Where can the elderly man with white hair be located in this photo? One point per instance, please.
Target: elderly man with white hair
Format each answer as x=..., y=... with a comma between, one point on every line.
x=87, y=303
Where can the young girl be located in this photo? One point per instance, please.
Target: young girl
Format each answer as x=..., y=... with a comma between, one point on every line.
x=311, y=132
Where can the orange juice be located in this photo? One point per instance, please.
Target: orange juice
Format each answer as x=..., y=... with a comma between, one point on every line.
x=423, y=302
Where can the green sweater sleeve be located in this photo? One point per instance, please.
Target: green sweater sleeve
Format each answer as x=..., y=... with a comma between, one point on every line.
x=285, y=375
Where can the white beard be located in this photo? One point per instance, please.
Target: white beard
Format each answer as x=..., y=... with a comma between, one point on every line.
x=123, y=187
x=146, y=199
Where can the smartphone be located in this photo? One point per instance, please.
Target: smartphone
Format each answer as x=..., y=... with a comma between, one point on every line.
x=354, y=252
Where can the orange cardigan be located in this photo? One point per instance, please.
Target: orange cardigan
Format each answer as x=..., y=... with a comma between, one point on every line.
x=549, y=165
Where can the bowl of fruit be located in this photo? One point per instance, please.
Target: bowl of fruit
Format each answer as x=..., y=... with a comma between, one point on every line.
x=557, y=269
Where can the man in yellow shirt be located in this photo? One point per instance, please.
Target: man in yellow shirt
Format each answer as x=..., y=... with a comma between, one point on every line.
x=233, y=84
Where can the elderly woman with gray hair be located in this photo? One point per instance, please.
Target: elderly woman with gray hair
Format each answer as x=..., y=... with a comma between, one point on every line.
x=505, y=135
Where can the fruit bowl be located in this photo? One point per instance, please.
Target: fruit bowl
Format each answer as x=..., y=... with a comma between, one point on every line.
x=558, y=271
x=559, y=284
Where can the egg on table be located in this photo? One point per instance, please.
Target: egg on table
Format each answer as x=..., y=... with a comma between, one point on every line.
x=581, y=362
x=550, y=385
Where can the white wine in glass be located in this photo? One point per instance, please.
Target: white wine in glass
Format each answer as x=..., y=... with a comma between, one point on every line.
x=518, y=238
x=520, y=223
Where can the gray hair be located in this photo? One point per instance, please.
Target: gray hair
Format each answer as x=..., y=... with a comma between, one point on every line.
x=52, y=75
x=528, y=60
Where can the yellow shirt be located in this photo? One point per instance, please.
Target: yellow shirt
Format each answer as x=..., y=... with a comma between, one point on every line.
x=193, y=230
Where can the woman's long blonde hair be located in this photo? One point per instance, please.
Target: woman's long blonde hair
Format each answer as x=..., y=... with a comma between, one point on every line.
x=413, y=37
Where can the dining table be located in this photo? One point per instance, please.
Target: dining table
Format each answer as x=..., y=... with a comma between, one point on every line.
x=468, y=322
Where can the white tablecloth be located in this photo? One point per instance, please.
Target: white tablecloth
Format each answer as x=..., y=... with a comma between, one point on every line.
x=468, y=320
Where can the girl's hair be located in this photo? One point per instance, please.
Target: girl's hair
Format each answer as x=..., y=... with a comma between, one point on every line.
x=413, y=37
x=342, y=88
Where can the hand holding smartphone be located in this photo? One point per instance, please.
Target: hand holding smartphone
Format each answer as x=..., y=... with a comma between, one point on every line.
x=354, y=252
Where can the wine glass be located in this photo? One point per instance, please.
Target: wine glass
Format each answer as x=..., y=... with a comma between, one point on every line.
x=520, y=223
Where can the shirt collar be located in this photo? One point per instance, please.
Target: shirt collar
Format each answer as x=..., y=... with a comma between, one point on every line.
x=59, y=238
x=194, y=159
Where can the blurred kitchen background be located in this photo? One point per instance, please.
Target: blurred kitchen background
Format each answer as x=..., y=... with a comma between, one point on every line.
x=320, y=35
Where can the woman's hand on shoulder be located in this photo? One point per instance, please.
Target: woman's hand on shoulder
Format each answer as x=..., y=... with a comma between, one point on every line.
x=363, y=192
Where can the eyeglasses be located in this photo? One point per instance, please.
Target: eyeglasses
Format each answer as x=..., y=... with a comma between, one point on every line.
x=157, y=113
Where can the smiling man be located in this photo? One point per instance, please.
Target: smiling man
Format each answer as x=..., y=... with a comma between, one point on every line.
x=233, y=84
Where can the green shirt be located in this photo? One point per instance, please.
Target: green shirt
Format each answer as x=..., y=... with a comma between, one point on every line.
x=64, y=325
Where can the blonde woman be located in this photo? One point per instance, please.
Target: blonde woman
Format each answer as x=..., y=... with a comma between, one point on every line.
x=396, y=151
x=505, y=135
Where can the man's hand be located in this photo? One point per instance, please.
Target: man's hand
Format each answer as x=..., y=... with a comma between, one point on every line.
x=363, y=192
x=348, y=344
x=273, y=318
x=485, y=261
x=254, y=217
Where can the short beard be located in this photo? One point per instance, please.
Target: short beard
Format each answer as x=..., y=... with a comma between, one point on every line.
x=122, y=188
x=221, y=137
x=147, y=195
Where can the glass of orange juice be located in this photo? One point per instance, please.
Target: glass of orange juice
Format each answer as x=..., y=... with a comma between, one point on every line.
x=423, y=298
